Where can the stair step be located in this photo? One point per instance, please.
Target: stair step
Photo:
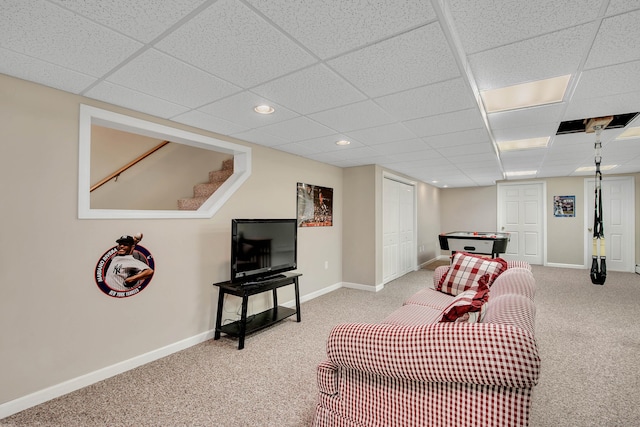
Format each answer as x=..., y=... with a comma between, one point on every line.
x=221, y=175
x=206, y=189
x=191, y=203
x=201, y=192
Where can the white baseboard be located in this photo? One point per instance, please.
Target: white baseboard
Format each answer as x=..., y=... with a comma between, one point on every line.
x=362, y=287
x=49, y=393
x=41, y=396
x=576, y=266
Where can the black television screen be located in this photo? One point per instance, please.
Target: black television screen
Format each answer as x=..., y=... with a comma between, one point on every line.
x=262, y=248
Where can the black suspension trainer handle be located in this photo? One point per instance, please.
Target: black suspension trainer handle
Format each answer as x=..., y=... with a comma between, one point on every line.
x=598, y=272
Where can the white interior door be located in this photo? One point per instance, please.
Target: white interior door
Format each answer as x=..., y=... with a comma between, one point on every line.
x=406, y=219
x=390, y=230
x=398, y=229
x=521, y=214
x=618, y=218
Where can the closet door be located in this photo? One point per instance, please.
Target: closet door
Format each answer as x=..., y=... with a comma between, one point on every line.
x=398, y=229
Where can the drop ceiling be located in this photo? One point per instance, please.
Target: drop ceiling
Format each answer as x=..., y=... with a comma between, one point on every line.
x=399, y=79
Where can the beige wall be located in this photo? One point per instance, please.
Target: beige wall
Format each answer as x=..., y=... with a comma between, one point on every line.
x=565, y=235
x=429, y=220
x=468, y=209
x=55, y=324
x=359, y=233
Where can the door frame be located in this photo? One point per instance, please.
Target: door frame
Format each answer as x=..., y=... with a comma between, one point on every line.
x=543, y=213
x=588, y=238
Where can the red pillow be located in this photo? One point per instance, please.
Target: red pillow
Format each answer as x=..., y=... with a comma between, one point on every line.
x=466, y=270
x=469, y=306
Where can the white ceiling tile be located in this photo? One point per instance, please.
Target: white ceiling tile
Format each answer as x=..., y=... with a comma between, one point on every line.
x=422, y=158
x=260, y=137
x=327, y=143
x=211, y=123
x=458, y=138
x=525, y=132
x=352, y=117
x=357, y=153
x=297, y=129
x=416, y=58
x=465, y=160
x=551, y=55
x=142, y=20
x=603, y=106
x=407, y=146
x=329, y=27
x=162, y=76
x=331, y=158
x=299, y=149
x=439, y=98
x=310, y=90
x=618, y=40
x=612, y=80
x=381, y=134
x=62, y=38
x=239, y=47
x=445, y=123
x=452, y=152
x=526, y=116
x=619, y=6
x=239, y=108
x=45, y=73
x=484, y=25
x=133, y=100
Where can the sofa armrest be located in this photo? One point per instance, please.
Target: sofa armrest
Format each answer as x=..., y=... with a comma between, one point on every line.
x=327, y=378
x=438, y=274
x=487, y=354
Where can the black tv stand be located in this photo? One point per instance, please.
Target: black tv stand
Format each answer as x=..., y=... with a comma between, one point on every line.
x=260, y=280
x=259, y=321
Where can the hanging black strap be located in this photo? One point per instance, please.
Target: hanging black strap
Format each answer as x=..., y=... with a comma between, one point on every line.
x=598, y=263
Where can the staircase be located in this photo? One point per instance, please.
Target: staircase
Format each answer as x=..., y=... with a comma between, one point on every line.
x=201, y=192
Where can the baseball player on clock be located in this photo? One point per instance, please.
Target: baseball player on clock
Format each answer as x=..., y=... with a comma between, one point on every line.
x=125, y=272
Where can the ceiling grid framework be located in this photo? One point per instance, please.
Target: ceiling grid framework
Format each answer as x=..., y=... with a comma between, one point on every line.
x=398, y=79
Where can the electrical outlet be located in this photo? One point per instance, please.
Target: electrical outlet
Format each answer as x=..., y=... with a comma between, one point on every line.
x=326, y=265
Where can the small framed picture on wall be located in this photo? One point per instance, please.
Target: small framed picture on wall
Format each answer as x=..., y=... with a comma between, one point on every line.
x=564, y=206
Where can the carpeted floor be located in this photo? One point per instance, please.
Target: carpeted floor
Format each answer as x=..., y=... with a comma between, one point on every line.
x=434, y=264
x=588, y=335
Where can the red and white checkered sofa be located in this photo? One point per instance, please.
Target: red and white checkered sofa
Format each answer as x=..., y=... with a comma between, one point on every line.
x=412, y=370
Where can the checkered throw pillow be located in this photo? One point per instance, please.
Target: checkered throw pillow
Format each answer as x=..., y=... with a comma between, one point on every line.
x=469, y=306
x=466, y=270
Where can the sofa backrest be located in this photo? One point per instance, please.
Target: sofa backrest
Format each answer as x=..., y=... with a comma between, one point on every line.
x=511, y=300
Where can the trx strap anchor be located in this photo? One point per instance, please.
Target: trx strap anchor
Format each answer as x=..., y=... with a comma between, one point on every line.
x=598, y=263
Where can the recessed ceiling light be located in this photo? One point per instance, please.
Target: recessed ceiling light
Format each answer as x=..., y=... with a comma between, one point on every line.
x=264, y=109
x=630, y=133
x=593, y=168
x=524, y=144
x=524, y=95
x=519, y=174
x=343, y=142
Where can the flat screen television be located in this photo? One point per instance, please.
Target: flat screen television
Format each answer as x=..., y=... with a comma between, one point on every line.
x=262, y=248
